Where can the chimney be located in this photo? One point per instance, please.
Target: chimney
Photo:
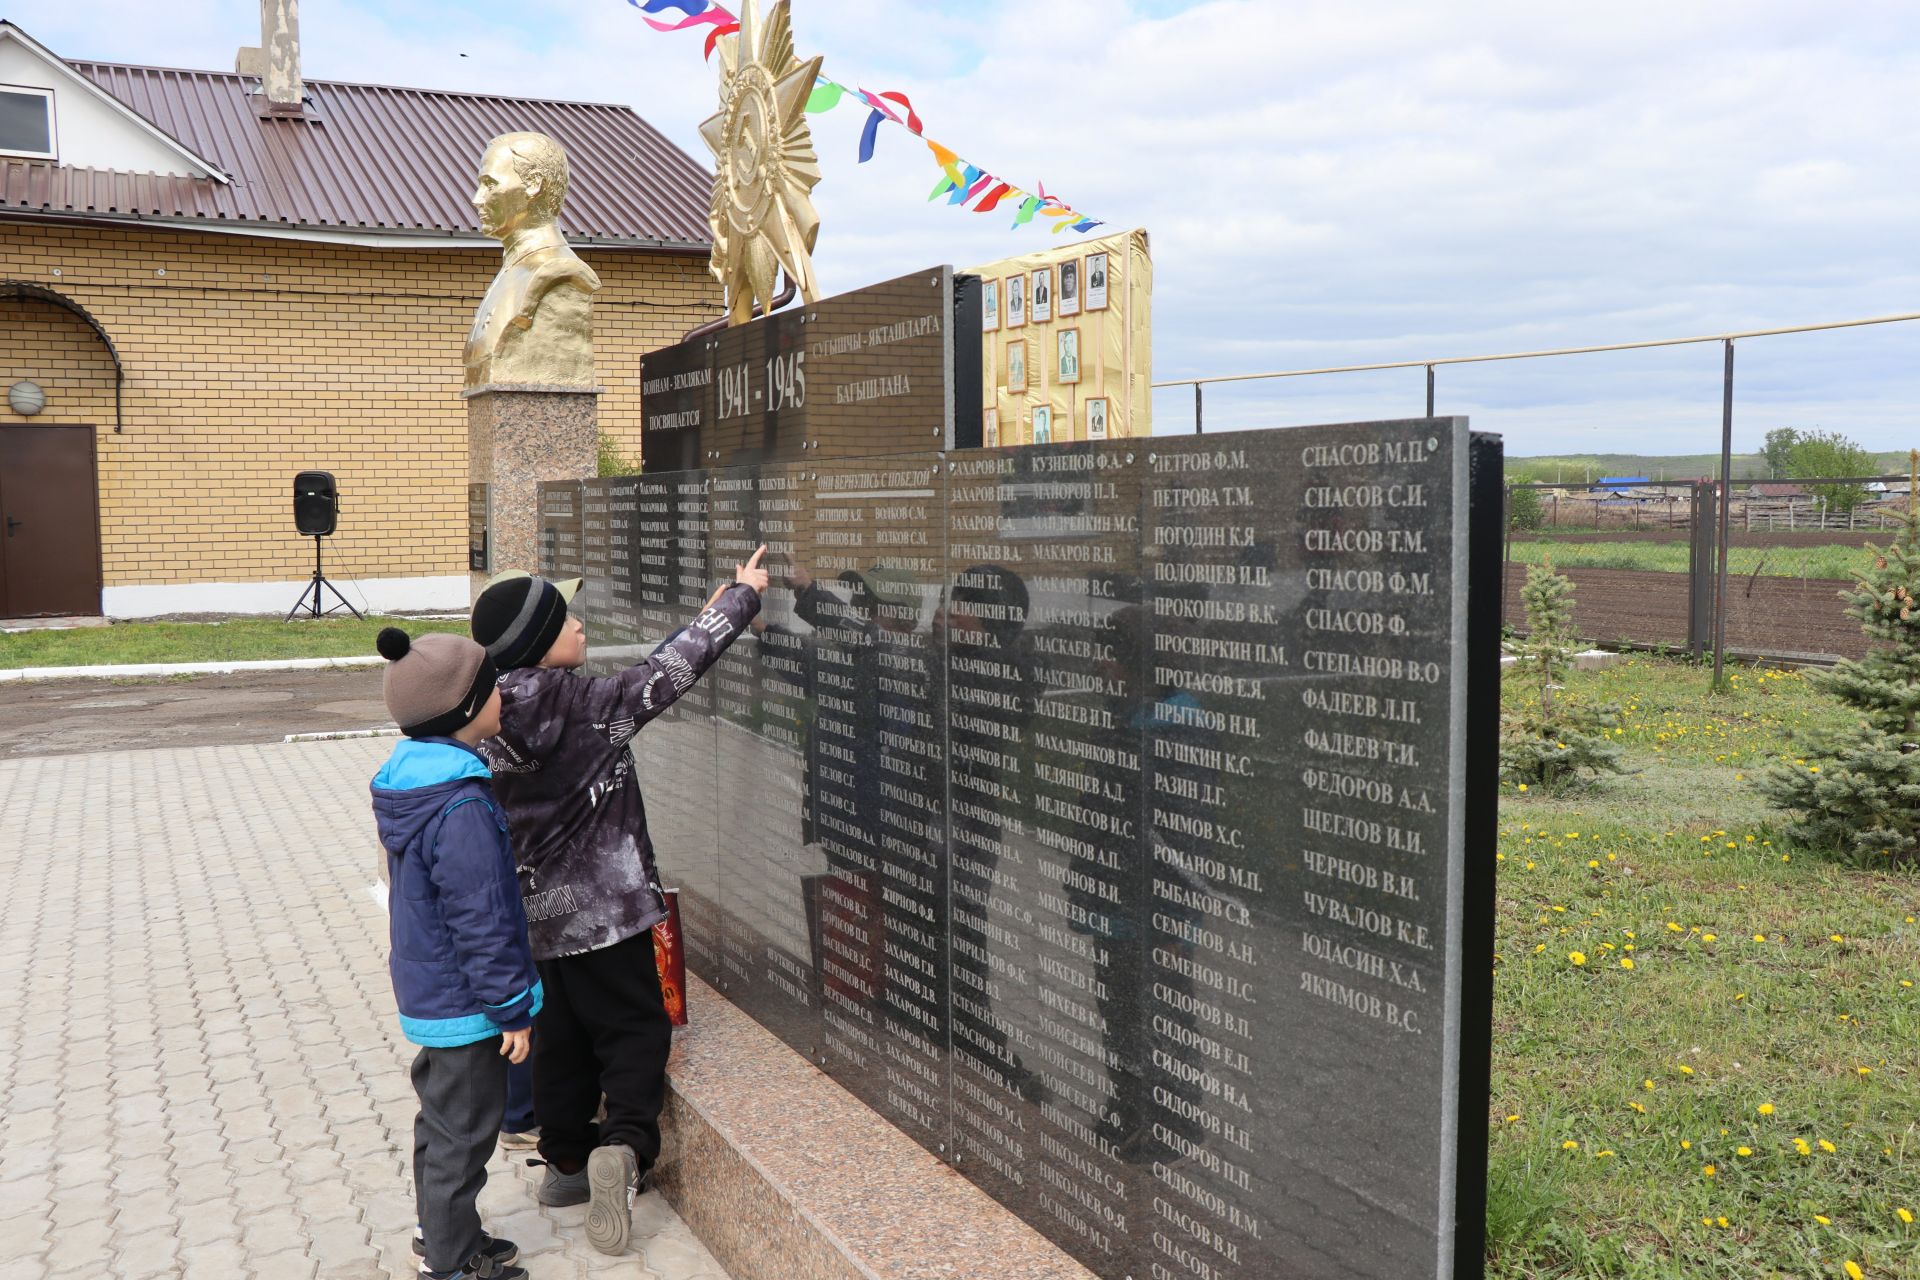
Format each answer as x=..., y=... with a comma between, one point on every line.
x=277, y=61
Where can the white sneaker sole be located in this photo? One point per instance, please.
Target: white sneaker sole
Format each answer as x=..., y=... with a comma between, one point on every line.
x=611, y=1172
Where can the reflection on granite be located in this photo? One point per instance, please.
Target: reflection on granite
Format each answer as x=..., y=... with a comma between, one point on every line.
x=785, y=1176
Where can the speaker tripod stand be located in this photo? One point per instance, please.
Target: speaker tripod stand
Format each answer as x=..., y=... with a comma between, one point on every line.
x=312, y=598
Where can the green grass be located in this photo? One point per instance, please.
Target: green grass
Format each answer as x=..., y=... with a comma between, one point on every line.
x=1678, y=868
x=1574, y=468
x=243, y=639
x=1838, y=561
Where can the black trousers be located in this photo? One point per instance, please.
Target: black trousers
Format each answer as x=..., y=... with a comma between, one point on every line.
x=463, y=1094
x=602, y=1029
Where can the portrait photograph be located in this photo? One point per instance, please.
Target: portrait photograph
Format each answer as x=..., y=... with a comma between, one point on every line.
x=990, y=430
x=1069, y=289
x=1041, y=302
x=1042, y=425
x=1068, y=369
x=1017, y=365
x=1016, y=301
x=1097, y=418
x=989, y=306
x=1096, y=286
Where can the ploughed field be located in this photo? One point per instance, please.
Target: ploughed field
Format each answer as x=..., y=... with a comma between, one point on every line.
x=1778, y=617
x=1707, y=1040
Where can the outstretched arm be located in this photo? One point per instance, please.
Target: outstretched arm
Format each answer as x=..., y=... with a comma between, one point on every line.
x=629, y=699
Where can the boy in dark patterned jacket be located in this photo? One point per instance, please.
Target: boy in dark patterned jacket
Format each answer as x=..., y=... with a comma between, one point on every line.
x=564, y=773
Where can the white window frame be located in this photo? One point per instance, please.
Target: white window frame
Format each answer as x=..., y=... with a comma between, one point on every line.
x=53, y=124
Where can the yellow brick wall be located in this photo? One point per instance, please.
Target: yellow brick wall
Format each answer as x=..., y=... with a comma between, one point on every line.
x=248, y=359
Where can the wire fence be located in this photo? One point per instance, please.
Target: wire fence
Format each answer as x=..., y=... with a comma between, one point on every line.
x=1643, y=557
x=1668, y=564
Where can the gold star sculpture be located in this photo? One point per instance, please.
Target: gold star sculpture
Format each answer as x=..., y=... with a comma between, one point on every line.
x=765, y=167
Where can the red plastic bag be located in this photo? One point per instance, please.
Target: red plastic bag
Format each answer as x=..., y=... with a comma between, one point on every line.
x=670, y=958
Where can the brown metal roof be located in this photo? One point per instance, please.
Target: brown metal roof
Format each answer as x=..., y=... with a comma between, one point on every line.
x=369, y=158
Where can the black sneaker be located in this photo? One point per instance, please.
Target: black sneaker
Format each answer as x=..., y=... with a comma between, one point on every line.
x=613, y=1179
x=494, y=1261
x=558, y=1190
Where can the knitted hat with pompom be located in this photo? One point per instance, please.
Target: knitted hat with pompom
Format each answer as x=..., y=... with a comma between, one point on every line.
x=435, y=685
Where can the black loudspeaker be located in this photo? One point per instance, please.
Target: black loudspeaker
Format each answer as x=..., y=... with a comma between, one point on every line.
x=316, y=504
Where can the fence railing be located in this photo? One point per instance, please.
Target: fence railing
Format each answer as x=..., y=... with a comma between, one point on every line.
x=1432, y=364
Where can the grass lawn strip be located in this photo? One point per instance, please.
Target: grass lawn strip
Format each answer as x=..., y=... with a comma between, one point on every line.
x=1840, y=563
x=1705, y=1038
x=239, y=640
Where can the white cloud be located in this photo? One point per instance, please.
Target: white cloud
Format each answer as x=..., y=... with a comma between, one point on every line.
x=1325, y=182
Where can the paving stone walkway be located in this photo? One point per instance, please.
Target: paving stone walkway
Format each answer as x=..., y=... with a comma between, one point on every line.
x=200, y=1070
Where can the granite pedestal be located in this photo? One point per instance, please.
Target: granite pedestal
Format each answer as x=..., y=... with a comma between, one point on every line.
x=518, y=436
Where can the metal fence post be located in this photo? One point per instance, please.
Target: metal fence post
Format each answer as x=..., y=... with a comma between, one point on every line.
x=1726, y=503
x=1196, y=408
x=1430, y=405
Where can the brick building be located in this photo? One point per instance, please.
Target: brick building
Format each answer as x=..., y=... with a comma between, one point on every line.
x=213, y=289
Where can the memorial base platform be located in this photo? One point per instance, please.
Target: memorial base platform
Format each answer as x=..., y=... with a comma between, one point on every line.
x=784, y=1175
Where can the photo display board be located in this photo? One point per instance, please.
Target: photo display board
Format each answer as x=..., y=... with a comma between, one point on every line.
x=1099, y=814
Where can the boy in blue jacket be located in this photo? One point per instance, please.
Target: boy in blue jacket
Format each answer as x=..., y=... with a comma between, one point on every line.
x=463, y=976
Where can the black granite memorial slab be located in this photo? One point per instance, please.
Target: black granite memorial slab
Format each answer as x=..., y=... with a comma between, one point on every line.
x=760, y=714
x=1100, y=814
x=892, y=368
x=1043, y=623
x=562, y=551
x=479, y=527
x=869, y=586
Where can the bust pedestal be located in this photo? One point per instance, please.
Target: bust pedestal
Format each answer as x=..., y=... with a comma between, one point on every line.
x=517, y=436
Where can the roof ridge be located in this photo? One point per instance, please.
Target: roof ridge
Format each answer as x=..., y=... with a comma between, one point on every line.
x=82, y=63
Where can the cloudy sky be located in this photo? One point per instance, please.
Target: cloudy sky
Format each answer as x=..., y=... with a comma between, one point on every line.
x=1325, y=183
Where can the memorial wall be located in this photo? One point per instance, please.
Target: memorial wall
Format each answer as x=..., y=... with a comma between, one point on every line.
x=1099, y=815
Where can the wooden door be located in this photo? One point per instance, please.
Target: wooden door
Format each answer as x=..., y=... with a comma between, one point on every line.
x=49, y=522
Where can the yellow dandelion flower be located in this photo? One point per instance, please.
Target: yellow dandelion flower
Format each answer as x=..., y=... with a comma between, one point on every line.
x=1539, y=947
x=1759, y=937
x=1834, y=937
x=1674, y=927
x=1709, y=1171
x=1854, y=1272
x=1637, y=1107
x=1905, y=1215
x=1823, y=1219
x=1513, y=1119
x=1723, y=1221
x=1743, y=1151
x=1578, y=957
x=1800, y=1145
x=1569, y=1145
x=1865, y=1071
x=1602, y=1155
x=1626, y=962
x=1685, y=1145
x=1710, y=937
x=1593, y=863
x=1523, y=786
x=1766, y=1108
x=1647, y=1085
x=1827, y=1147
x=1685, y=1070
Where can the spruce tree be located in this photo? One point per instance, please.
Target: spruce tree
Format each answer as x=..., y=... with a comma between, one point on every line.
x=1858, y=792
x=1548, y=736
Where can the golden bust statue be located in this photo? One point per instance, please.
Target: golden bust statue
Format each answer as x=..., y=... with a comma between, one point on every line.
x=536, y=324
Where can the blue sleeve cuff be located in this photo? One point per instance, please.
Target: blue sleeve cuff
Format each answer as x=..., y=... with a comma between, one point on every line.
x=517, y=1012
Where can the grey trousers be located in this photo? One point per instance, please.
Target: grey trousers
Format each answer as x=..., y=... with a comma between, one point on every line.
x=463, y=1096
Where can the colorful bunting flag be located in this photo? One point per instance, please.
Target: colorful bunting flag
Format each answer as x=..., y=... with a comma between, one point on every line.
x=960, y=182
